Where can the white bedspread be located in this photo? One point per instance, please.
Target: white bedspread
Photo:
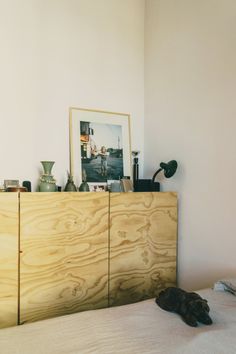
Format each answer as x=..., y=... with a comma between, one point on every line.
x=132, y=329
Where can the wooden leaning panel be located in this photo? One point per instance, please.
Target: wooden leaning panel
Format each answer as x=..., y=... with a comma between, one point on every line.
x=8, y=259
x=143, y=236
x=63, y=253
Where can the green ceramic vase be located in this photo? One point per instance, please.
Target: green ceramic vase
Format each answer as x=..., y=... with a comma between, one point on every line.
x=47, y=182
x=70, y=186
x=84, y=187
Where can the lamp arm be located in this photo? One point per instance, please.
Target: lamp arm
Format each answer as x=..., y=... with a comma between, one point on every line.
x=155, y=174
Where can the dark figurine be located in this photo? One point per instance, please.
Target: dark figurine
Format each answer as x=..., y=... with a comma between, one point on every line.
x=84, y=187
x=70, y=186
x=190, y=306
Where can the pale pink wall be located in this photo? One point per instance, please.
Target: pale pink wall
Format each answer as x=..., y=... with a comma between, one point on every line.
x=190, y=115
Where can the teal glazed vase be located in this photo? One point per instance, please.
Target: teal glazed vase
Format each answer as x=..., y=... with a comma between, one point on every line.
x=47, y=181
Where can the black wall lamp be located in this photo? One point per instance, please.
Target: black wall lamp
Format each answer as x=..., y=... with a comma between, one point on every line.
x=169, y=169
x=146, y=185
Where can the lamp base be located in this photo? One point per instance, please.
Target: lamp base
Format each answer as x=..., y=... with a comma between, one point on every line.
x=146, y=185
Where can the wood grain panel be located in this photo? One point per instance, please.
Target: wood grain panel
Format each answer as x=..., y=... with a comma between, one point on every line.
x=143, y=234
x=64, y=253
x=8, y=259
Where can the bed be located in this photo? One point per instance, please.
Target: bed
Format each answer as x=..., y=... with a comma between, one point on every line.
x=90, y=252
x=141, y=327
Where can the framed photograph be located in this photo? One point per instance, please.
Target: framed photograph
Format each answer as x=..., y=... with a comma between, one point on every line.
x=8, y=183
x=98, y=187
x=100, y=148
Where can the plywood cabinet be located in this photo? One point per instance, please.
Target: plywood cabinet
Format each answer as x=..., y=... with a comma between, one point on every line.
x=143, y=235
x=62, y=253
x=9, y=224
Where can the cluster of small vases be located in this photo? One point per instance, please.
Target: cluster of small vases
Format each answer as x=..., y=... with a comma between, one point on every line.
x=48, y=182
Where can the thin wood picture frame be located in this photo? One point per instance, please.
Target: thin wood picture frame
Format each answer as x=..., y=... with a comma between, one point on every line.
x=100, y=145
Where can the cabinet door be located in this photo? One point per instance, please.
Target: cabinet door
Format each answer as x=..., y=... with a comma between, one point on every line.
x=143, y=231
x=8, y=259
x=63, y=253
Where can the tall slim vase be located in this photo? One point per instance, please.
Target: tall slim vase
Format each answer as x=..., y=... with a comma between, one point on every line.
x=47, y=181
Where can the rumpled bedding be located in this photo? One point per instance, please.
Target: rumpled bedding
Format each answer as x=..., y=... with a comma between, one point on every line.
x=140, y=328
x=226, y=285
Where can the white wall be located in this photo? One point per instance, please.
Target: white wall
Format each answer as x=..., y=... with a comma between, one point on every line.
x=190, y=112
x=90, y=53
x=61, y=53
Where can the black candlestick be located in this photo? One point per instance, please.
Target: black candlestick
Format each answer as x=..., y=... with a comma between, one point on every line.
x=135, y=167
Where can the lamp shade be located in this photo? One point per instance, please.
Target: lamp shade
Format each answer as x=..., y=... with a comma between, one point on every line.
x=169, y=168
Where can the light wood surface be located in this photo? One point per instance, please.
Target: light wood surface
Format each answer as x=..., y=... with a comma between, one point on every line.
x=8, y=259
x=76, y=248
x=64, y=253
x=143, y=234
